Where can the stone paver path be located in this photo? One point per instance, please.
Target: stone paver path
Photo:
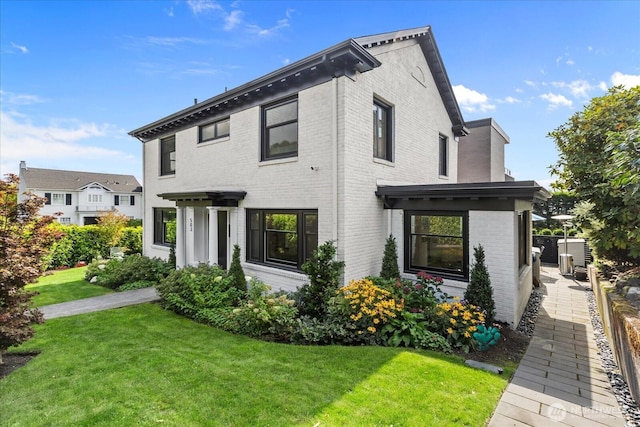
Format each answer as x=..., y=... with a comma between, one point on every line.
x=560, y=380
x=104, y=302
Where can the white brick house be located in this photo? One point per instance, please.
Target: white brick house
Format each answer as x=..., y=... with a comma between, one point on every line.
x=81, y=197
x=296, y=158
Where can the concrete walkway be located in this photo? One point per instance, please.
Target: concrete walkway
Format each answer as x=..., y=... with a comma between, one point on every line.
x=104, y=302
x=560, y=380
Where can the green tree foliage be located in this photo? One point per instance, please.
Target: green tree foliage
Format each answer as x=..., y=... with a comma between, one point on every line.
x=479, y=291
x=390, y=259
x=324, y=274
x=560, y=203
x=111, y=224
x=238, y=279
x=600, y=163
x=24, y=240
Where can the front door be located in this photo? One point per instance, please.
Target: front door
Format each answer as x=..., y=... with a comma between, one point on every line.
x=223, y=238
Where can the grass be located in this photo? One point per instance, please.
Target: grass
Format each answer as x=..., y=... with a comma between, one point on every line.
x=143, y=366
x=63, y=286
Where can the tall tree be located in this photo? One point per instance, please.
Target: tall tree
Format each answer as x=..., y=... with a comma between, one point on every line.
x=24, y=240
x=600, y=163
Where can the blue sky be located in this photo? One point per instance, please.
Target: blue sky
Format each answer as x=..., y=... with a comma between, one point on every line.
x=76, y=76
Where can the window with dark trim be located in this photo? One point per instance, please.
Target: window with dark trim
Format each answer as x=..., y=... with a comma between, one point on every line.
x=164, y=226
x=523, y=238
x=443, y=150
x=436, y=242
x=282, y=238
x=168, y=156
x=214, y=130
x=280, y=130
x=382, y=131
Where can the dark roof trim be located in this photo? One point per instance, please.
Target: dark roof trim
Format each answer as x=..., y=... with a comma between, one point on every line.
x=216, y=198
x=424, y=35
x=516, y=190
x=342, y=59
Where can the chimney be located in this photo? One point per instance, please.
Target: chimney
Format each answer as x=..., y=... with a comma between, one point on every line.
x=23, y=164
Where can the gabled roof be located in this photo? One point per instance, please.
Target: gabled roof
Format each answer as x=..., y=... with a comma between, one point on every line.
x=54, y=179
x=345, y=58
x=424, y=35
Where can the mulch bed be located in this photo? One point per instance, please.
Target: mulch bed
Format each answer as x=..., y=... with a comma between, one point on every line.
x=13, y=361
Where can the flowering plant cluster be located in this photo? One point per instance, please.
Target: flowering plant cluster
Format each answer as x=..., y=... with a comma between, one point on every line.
x=366, y=308
x=459, y=320
x=422, y=295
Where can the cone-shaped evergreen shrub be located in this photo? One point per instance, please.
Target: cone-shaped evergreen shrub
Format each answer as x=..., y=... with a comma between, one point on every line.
x=479, y=291
x=390, y=260
x=236, y=272
x=324, y=274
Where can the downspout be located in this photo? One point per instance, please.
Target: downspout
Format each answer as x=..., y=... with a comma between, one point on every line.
x=335, y=159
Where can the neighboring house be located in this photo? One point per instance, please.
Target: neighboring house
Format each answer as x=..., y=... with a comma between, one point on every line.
x=350, y=144
x=80, y=197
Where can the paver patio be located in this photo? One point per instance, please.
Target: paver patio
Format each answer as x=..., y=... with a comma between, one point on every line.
x=560, y=380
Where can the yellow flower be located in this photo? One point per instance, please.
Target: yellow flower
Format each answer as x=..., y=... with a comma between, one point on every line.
x=449, y=331
x=455, y=313
x=453, y=321
x=376, y=321
x=467, y=334
x=371, y=329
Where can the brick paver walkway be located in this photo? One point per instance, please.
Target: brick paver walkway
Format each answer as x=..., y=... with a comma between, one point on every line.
x=560, y=380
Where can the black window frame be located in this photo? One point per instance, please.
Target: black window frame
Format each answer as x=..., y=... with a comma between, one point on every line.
x=216, y=132
x=443, y=272
x=379, y=105
x=524, y=229
x=257, y=238
x=168, y=156
x=443, y=155
x=161, y=217
x=265, y=144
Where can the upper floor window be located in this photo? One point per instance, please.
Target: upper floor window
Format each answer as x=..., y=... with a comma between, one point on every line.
x=437, y=242
x=280, y=130
x=57, y=199
x=443, y=162
x=94, y=198
x=123, y=200
x=214, y=130
x=168, y=156
x=382, y=131
x=282, y=238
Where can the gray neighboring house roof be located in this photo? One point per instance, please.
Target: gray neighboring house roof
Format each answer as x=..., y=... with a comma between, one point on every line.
x=53, y=179
x=345, y=58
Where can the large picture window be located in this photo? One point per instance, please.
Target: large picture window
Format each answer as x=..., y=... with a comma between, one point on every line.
x=280, y=130
x=281, y=237
x=382, y=131
x=437, y=242
x=164, y=226
x=168, y=156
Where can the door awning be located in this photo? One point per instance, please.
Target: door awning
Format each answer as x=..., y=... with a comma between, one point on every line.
x=210, y=198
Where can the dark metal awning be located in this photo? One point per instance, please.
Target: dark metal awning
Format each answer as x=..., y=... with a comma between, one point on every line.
x=495, y=195
x=209, y=198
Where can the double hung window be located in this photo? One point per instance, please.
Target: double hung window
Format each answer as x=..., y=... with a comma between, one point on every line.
x=168, y=156
x=214, y=130
x=164, y=226
x=280, y=130
x=382, y=131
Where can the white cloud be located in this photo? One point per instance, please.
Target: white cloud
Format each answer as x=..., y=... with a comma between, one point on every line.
x=170, y=12
x=200, y=6
x=570, y=62
x=233, y=19
x=267, y=32
x=626, y=80
x=471, y=100
x=286, y=61
x=9, y=98
x=578, y=88
x=21, y=48
x=556, y=101
x=171, y=41
x=603, y=85
x=510, y=100
x=530, y=83
x=57, y=140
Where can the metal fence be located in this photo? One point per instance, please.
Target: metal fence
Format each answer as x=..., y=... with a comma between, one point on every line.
x=550, y=253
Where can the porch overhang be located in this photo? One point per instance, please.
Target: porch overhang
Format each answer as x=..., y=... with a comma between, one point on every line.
x=469, y=196
x=223, y=198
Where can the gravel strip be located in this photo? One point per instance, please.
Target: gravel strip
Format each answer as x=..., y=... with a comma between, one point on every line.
x=528, y=321
x=619, y=386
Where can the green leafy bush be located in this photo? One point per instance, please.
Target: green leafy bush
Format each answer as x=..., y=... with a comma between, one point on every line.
x=422, y=295
x=203, y=293
x=131, y=240
x=324, y=274
x=115, y=274
x=558, y=232
x=327, y=331
x=263, y=314
x=458, y=321
x=545, y=232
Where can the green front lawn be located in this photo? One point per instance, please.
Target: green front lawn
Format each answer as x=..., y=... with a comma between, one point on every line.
x=63, y=286
x=146, y=366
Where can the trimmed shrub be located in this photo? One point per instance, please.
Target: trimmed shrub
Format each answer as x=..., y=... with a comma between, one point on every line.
x=236, y=273
x=324, y=274
x=545, y=232
x=558, y=232
x=131, y=240
x=390, y=259
x=479, y=291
